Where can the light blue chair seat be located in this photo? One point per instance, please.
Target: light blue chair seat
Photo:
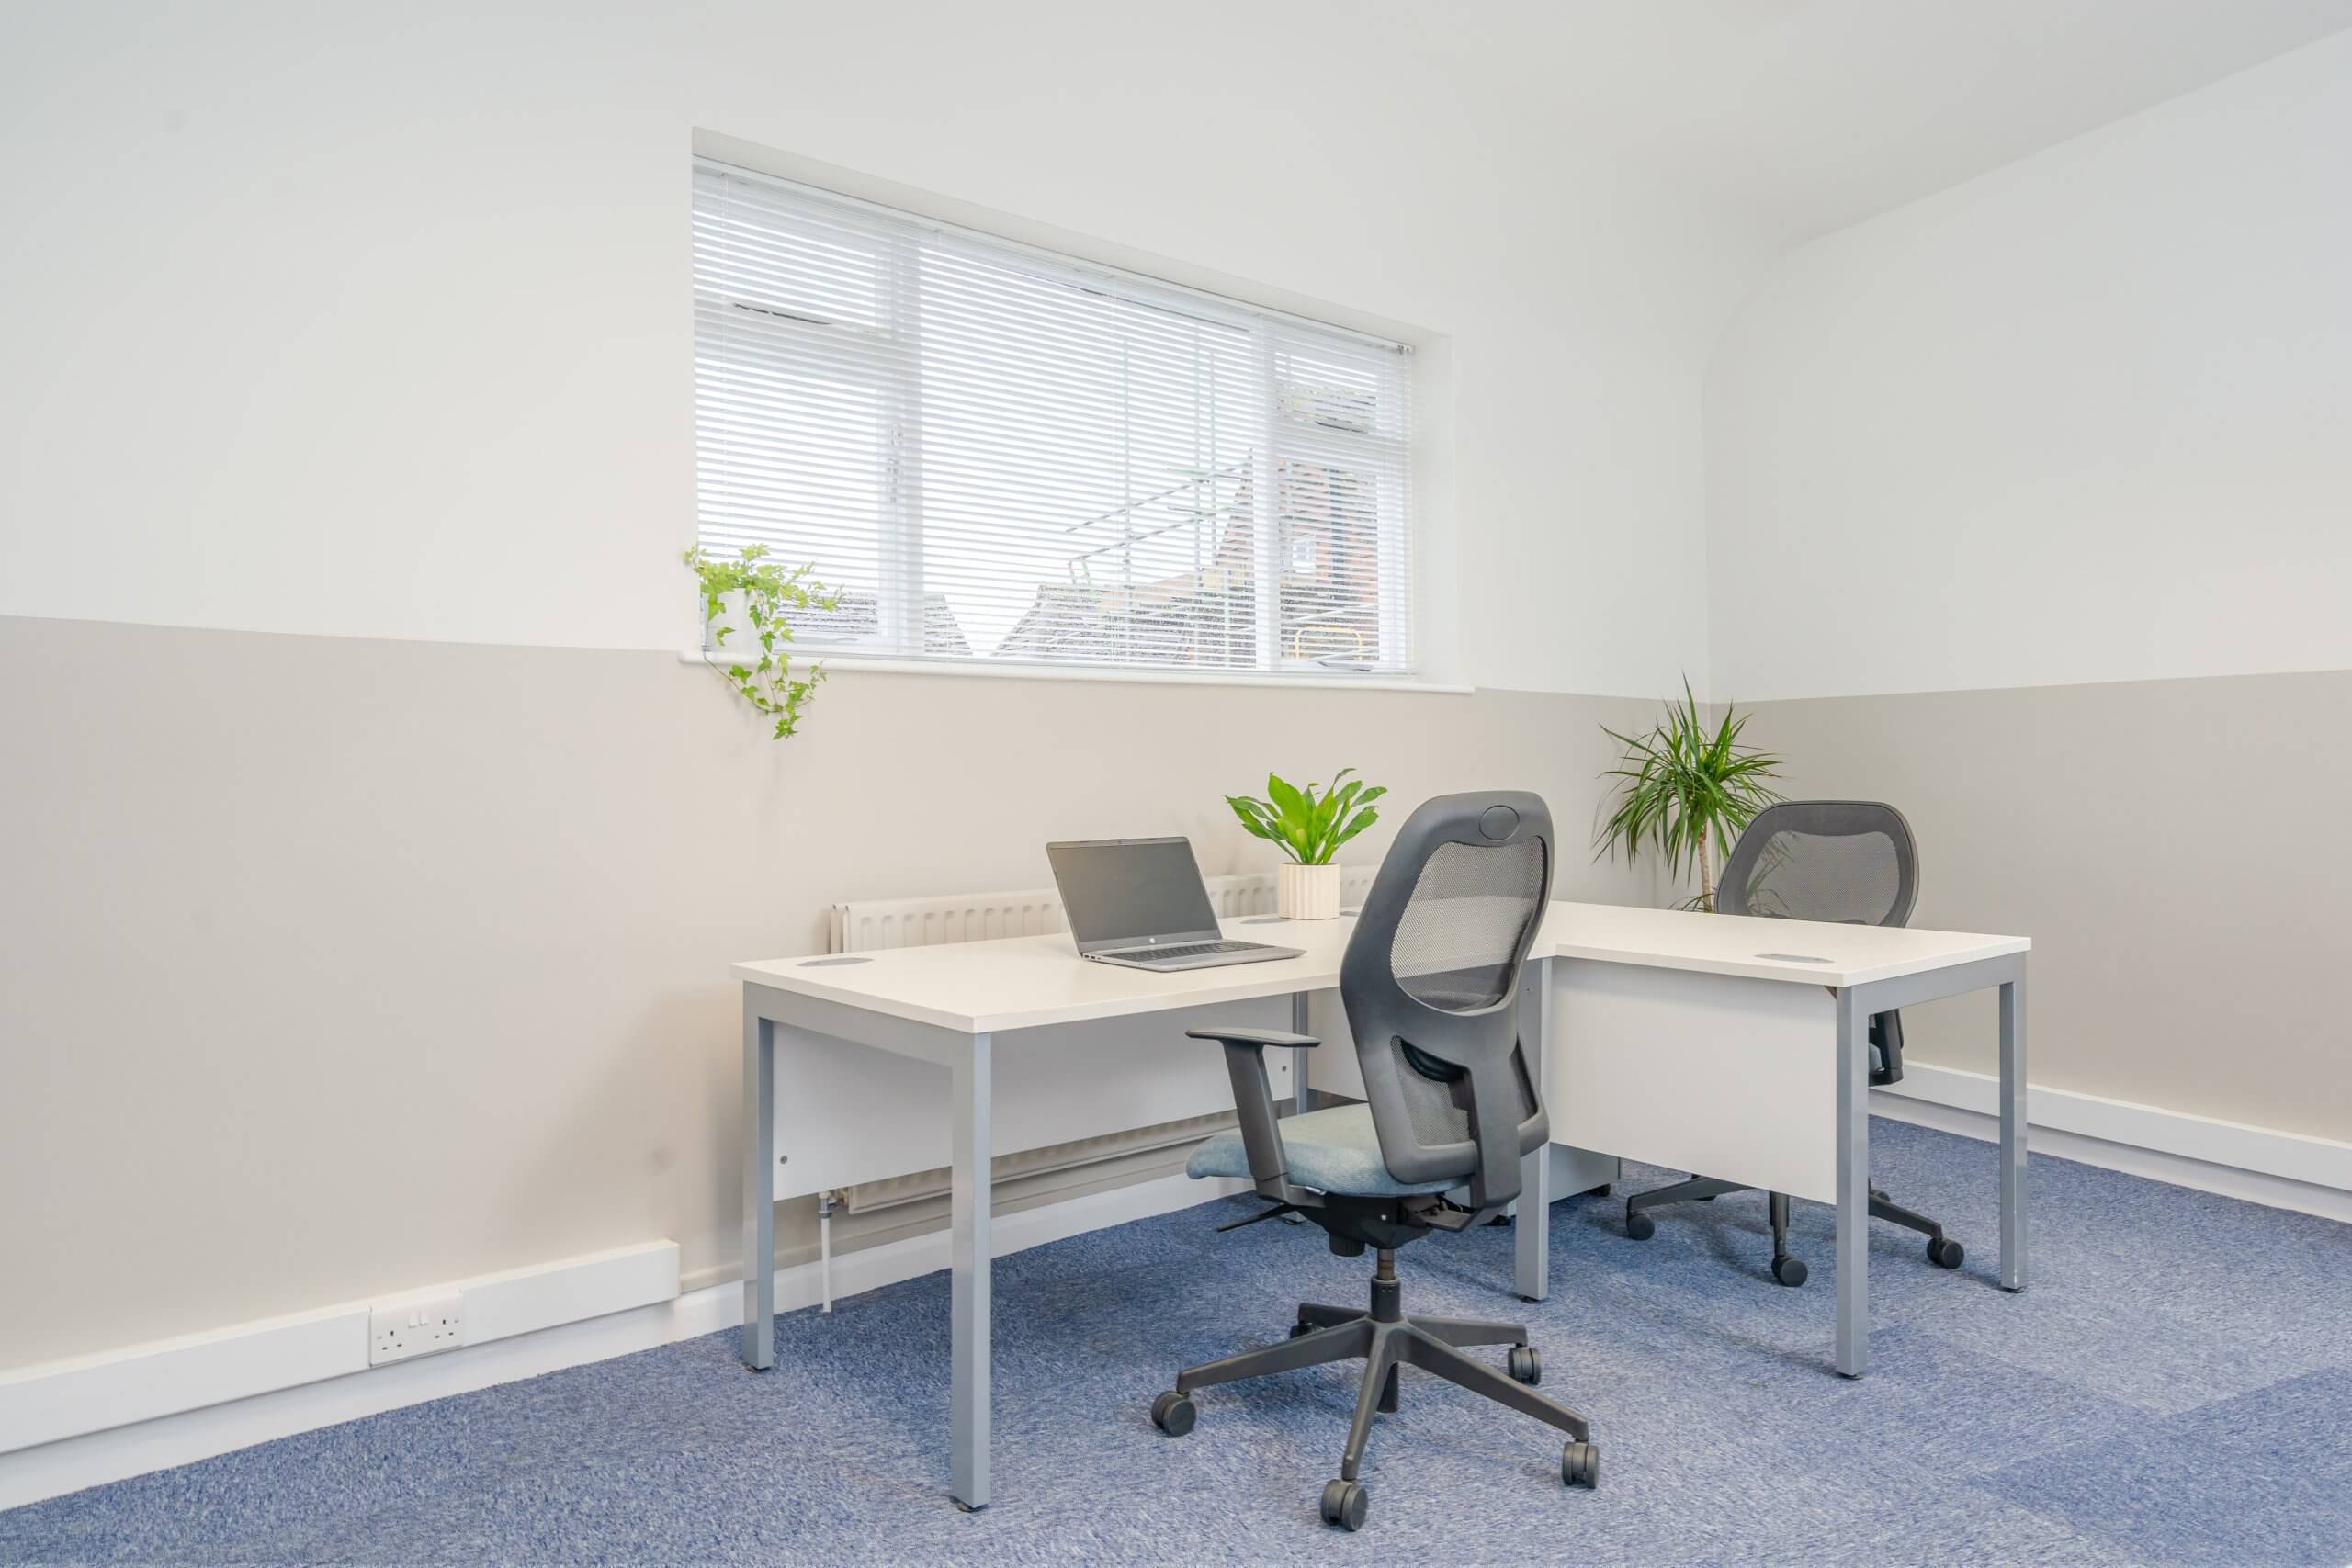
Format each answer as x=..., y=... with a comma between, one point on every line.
x=1332, y=1151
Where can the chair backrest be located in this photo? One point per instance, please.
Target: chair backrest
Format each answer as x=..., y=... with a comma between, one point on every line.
x=1848, y=861
x=1852, y=861
x=1430, y=984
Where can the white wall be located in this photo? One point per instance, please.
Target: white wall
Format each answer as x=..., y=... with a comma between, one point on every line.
x=373, y=323
x=2035, y=497
x=2087, y=418
x=372, y=320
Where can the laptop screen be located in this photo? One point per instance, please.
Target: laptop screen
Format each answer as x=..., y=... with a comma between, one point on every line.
x=1122, y=892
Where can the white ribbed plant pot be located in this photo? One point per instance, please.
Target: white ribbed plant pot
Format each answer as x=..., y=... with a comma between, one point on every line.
x=1308, y=892
x=738, y=627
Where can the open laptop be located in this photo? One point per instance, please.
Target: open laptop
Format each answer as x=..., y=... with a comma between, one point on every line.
x=1141, y=902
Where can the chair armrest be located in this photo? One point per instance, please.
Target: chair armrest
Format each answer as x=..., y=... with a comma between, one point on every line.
x=1275, y=1037
x=1253, y=1104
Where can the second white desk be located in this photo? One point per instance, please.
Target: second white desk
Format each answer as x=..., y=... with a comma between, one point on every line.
x=1732, y=1046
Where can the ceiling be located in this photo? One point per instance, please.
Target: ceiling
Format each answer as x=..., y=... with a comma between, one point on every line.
x=1798, y=117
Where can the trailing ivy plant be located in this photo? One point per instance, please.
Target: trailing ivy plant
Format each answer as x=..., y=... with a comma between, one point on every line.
x=1305, y=824
x=1686, y=787
x=770, y=593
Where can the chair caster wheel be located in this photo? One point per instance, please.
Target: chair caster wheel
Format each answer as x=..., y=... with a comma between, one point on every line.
x=1527, y=1364
x=1580, y=1465
x=1639, y=1225
x=1945, y=1253
x=1344, y=1505
x=1174, y=1414
x=1298, y=1329
x=1788, y=1271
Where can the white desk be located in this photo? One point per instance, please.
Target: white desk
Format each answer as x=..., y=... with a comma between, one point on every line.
x=1746, y=1007
x=1739, y=1047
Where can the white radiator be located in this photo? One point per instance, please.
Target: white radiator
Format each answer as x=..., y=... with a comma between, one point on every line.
x=981, y=917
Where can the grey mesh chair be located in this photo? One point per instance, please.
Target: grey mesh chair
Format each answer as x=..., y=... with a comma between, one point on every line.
x=1430, y=984
x=1848, y=861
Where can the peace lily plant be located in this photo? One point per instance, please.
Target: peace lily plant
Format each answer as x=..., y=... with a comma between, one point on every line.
x=1308, y=826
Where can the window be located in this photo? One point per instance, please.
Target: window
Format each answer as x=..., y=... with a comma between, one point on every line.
x=998, y=455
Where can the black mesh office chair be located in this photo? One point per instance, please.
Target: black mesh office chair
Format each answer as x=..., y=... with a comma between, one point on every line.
x=1431, y=984
x=1848, y=861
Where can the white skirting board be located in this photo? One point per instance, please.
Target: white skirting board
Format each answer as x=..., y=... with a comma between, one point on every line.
x=2285, y=1170
x=175, y=1402
x=68, y=1424
x=117, y=1402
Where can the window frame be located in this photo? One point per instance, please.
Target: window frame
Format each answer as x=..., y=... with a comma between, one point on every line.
x=889, y=358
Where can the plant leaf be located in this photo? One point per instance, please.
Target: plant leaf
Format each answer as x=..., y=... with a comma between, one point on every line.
x=1684, y=786
x=1252, y=814
x=1296, y=820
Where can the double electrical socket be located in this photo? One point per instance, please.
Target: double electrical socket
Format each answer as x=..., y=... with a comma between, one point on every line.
x=415, y=1328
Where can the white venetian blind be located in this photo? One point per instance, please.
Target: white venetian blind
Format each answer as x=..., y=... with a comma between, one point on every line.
x=997, y=453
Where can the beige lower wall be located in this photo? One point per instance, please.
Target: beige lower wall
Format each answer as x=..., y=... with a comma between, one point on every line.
x=2171, y=848
x=331, y=967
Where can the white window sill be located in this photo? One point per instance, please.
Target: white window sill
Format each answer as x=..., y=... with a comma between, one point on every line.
x=1090, y=673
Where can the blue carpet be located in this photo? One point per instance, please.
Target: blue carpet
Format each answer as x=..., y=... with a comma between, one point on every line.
x=2174, y=1389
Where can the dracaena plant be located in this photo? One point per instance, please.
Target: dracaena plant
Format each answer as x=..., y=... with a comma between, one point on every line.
x=1687, y=788
x=762, y=675
x=1309, y=824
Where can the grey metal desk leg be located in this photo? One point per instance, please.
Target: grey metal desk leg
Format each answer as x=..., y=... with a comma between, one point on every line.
x=1532, y=1234
x=2013, y=1132
x=759, y=1188
x=972, y=1256
x=1302, y=1097
x=1853, y=1188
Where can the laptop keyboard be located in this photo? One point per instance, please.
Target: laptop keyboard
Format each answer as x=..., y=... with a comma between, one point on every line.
x=1189, y=950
